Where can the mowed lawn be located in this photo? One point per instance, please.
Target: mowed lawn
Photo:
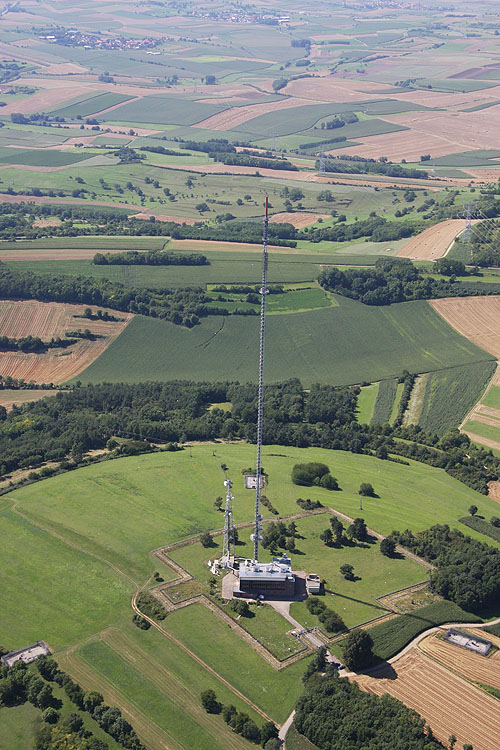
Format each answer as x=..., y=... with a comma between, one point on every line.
x=274, y=692
x=343, y=344
x=121, y=510
x=51, y=591
x=355, y=601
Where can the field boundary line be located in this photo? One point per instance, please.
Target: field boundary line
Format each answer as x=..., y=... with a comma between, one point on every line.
x=200, y=661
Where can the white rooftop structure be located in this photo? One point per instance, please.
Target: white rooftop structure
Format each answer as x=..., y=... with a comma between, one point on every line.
x=27, y=655
x=469, y=641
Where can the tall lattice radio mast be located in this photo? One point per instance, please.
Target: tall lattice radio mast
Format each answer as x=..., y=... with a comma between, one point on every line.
x=256, y=536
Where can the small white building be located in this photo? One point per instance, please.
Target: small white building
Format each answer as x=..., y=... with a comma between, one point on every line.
x=313, y=584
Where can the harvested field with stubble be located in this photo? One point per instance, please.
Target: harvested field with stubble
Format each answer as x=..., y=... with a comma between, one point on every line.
x=299, y=220
x=472, y=666
x=434, y=242
x=47, y=320
x=448, y=703
x=476, y=318
x=235, y=116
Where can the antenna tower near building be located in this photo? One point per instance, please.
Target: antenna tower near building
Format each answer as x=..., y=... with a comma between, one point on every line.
x=228, y=525
x=256, y=536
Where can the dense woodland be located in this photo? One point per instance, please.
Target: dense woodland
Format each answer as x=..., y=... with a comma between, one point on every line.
x=85, y=418
x=391, y=280
x=468, y=571
x=335, y=714
x=485, y=244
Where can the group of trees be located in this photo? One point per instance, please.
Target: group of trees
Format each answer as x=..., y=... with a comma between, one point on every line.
x=358, y=165
x=331, y=621
x=150, y=258
x=20, y=683
x=314, y=475
x=35, y=345
x=241, y=723
x=468, y=571
x=390, y=280
x=334, y=714
x=278, y=534
x=246, y=160
x=336, y=535
x=376, y=228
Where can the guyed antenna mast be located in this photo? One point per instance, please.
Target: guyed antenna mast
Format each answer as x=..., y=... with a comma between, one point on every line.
x=228, y=524
x=256, y=537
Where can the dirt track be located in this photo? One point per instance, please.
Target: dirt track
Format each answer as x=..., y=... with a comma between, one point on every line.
x=433, y=242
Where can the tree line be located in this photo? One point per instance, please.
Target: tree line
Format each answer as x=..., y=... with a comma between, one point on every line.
x=85, y=418
x=246, y=160
x=150, y=258
x=358, y=165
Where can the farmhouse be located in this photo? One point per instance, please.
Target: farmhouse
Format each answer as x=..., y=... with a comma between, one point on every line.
x=273, y=579
x=27, y=654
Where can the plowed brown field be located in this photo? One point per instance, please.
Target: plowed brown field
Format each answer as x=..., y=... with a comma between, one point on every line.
x=433, y=242
x=45, y=320
x=473, y=666
x=448, y=703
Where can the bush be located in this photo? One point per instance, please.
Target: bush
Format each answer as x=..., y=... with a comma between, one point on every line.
x=210, y=703
x=150, y=606
x=309, y=474
x=50, y=716
x=206, y=539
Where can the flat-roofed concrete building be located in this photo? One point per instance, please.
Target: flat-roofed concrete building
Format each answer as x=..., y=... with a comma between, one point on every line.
x=27, y=654
x=274, y=579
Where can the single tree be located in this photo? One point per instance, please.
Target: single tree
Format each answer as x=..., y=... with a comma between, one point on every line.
x=388, y=546
x=50, y=715
x=347, y=571
x=267, y=732
x=290, y=544
x=495, y=521
x=326, y=536
x=206, y=539
x=210, y=703
x=452, y=740
x=472, y=510
x=218, y=503
x=366, y=490
x=357, y=650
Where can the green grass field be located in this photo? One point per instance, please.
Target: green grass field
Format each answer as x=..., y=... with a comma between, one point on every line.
x=385, y=400
x=366, y=402
x=483, y=430
x=450, y=394
x=275, y=692
x=18, y=726
x=39, y=158
x=492, y=398
x=52, y=591
x=148, y=494
x=316, y=346
x=91, y=105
